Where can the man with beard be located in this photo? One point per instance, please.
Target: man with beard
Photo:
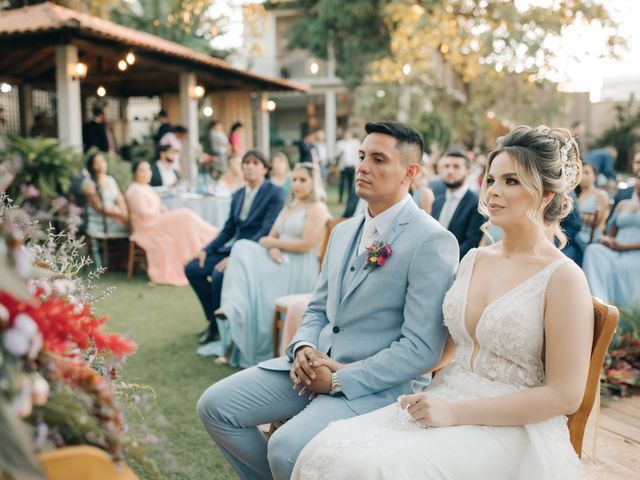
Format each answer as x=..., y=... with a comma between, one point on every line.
x=457, y=208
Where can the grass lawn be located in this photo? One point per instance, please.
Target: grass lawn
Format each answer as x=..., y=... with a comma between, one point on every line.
x=162, y=319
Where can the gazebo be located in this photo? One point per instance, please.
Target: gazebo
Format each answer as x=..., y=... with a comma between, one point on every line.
x=47, y=46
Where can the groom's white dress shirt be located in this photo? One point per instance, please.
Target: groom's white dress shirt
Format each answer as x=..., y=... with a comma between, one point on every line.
x=374, y=228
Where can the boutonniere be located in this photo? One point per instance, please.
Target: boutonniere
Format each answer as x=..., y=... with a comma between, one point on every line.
x=377, y=254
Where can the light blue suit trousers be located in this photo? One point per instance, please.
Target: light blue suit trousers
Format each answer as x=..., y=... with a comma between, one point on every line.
x=385, y=326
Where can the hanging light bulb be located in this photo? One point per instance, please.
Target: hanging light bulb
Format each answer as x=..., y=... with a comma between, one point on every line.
x=122, y=65
x=101, y=91
x=130, y=58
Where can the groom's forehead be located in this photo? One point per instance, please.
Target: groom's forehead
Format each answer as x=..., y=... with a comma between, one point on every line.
x=378, y=143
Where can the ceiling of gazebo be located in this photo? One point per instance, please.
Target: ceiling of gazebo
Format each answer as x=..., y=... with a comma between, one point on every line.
x=28, y=37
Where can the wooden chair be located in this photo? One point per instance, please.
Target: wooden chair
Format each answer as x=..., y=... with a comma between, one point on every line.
x=605, y=322
x=282, y=303
x=106, y=241
x=83, y=462
x=135, y=256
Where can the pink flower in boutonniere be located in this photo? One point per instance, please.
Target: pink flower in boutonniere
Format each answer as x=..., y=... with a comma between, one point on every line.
x=377, y=254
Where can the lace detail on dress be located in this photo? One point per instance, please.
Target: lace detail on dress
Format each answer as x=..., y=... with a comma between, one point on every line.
x=510, y=332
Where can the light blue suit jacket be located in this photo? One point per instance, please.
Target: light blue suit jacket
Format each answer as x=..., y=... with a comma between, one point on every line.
x=388, y=324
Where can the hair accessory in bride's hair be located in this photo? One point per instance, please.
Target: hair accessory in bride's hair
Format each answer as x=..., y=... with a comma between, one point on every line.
x=569, y=170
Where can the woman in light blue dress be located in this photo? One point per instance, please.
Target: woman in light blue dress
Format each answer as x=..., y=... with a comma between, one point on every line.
x=283, y=263
x=593, y=203
x=612, y=267
x=107, y=215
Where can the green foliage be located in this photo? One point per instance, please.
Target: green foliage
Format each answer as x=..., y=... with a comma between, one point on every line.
x=435, y=130
x=187, y=22
x=42, y=162
x=356, y=30
x=624, y=134
x=468, y=56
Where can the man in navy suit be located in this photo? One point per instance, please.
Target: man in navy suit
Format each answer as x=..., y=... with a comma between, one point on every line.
x=254, y=209
x=457, y=208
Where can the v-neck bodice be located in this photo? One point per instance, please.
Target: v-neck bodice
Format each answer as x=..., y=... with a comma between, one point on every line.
x=509, y=334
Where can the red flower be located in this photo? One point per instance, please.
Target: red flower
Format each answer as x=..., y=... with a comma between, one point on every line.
x=66, y=327
x=381, y=260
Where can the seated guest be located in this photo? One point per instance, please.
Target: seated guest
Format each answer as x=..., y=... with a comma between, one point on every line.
x=107, y=211
x=593, y=203
x=232, y=179
x=293, y=319
x=162, y=172
x=175, y=139
x=280, y=172
x=252, y=213
x=612, y=265
x=168, y=238
x=283, y=263
x=603, y=159
x=571, y=226
x=457, y=209
x=421, y=193
x=626, y=193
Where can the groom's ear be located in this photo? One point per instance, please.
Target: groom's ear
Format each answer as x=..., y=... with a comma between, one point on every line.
x=412, y=172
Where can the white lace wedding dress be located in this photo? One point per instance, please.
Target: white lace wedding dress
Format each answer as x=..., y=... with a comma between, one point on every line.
x=388, y=444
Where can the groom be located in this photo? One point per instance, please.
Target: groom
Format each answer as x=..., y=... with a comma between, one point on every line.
x=376, y=328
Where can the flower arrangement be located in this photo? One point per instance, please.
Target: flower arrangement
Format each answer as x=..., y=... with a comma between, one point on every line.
x=621, y=371
x=377, y=254
x=58, y=365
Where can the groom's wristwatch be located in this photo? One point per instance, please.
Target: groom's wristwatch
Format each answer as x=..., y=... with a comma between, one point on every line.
x=336, y=388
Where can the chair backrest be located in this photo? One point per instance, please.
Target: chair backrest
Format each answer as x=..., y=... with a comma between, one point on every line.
x=331, y=223
x=605, y=322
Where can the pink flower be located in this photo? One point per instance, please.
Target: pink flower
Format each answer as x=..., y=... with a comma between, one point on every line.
x=29, y=191
x=381, y=261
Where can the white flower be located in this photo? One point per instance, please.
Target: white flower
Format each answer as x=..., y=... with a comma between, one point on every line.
x=24, y=262
x=22, y=405
x=64, y=286
x=39, y=390
x=26, y=325
x=16, y=342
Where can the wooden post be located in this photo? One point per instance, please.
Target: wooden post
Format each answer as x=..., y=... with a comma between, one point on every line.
x=262, y=118
x=330, y=122
x=25, y=101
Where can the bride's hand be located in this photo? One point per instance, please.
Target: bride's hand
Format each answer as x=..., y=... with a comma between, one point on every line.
x=429, y=411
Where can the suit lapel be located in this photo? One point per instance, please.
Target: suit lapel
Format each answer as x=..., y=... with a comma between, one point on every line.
x=403, y=218
x=460, y=209
x=238, y=207
x=256, y=200
x=437, y=206
x=346, y=248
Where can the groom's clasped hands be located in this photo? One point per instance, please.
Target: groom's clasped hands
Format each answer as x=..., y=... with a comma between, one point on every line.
x=312, y=370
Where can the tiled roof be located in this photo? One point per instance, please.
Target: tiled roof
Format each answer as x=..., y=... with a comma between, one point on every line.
x=48, y=17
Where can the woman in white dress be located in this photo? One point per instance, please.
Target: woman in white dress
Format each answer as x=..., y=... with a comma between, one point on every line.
x=498, y=411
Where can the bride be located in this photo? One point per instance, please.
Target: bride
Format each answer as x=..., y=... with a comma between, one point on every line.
x=521, y=347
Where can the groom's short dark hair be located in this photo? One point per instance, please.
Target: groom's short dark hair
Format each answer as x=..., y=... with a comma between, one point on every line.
x=405, y=135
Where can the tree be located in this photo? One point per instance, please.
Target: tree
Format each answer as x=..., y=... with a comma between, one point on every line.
x=475, y=50
x=187, y=22
x=624, y=135
x=356, y=31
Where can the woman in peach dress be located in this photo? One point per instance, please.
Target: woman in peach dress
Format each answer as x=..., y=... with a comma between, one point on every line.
x=168, y=238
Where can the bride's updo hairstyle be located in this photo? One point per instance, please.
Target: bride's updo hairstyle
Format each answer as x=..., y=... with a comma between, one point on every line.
x=546, y=160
